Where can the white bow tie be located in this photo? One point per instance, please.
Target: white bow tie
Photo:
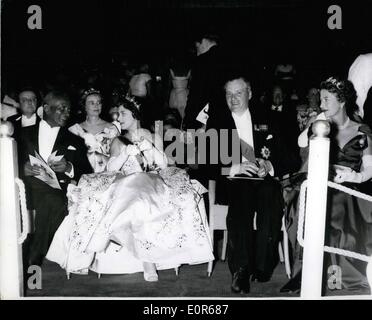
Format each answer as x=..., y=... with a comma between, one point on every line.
x=277, y=108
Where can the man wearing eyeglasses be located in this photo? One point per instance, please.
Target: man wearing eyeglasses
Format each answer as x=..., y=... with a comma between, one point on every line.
x=27, y=104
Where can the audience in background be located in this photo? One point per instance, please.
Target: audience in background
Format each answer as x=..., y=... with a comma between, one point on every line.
x=180, y=91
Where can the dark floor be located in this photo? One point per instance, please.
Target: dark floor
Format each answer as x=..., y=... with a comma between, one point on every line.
x=192, y=281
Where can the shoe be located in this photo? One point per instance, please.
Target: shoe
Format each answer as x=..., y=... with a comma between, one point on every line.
x=150, y=277
x=240, y=282
x=260, y=276
x=149, y=272
x=293, y=285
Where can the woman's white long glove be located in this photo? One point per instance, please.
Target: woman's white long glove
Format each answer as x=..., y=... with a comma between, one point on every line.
x=115, y=163
x=348, y=176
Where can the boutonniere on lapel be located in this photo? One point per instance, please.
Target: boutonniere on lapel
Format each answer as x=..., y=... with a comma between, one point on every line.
x=265, y=152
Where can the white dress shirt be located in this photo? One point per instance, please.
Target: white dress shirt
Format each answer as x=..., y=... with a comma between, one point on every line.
x=243, y=125
x=47, y=138
x=277, y=108
x=26, y=122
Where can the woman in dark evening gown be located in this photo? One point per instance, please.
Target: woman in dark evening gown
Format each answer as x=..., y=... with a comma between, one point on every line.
x=349, y=219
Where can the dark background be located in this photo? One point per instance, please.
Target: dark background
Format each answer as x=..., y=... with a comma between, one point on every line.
x=256, y=34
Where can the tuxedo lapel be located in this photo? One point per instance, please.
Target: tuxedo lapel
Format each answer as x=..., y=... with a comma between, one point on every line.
x=18, y=125
x=35, y=137
x=59, y=144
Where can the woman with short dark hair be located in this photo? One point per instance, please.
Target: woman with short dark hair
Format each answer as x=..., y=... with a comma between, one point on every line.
x=349, y=223
x=153, y=212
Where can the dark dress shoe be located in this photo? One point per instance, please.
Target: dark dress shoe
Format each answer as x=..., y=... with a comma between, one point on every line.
x=240, y=282
x=293, y=285
x=260, y=276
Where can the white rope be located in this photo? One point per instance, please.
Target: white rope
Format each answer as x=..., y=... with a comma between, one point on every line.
x=350, y=191
x=301, y=219
x=24, y=212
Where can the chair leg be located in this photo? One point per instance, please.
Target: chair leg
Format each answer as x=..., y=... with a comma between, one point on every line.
x=281, y=255
x=286, y=254
x=98, y=275
x=224, y=245
x=68, y=275
x=210, y=267
x=177, y=271
x=210, y=263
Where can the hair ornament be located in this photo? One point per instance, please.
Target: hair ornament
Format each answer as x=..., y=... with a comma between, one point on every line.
x=91, y=91
x=133, y=101
x=338, y=84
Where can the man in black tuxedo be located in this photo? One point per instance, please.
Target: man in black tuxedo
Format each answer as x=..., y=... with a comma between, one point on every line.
x=27, y=104
x=261, y=153
x=282, y=117
x=45, y=138
x=206, y=79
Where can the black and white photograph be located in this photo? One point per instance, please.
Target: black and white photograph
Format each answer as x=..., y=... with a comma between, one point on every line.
x=213, y=150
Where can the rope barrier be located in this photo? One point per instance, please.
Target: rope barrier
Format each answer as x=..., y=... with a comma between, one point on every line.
x=24, y=212
x=301, y=219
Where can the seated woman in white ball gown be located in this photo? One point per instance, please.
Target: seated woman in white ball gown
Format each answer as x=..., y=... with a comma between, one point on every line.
x=140, y=215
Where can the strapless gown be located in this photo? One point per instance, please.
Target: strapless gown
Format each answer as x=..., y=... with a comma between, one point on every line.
x=117, y=220
x=349, y=219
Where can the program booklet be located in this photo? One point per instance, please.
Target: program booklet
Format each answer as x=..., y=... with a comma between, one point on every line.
x=48, y=175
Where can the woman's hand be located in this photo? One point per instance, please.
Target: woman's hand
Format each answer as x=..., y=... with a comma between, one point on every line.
x=131, y=150
x=145, y=145
x=347, y=175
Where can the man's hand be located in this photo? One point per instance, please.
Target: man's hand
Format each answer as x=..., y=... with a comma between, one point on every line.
x=264, y=168
x=61, y=166
x=249, y=168
x=31, y=170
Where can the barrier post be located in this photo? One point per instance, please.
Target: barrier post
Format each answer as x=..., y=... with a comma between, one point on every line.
x=316, y=205
x=11, y=265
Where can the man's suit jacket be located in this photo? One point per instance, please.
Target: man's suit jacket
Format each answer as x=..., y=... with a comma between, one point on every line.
x=285, y=124
x=206, y=86
x=16, y=120
x=67, y=144
x=268, y=144
x=367, y=107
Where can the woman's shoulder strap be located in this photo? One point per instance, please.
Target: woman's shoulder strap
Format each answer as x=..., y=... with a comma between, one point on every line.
x=77, y=129
x=365, y=129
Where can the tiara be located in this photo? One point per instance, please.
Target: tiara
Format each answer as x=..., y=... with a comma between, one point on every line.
x=90, y=91
x=133, y=101
x=338, y=84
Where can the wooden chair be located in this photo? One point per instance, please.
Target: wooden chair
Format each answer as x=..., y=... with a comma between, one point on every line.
x=217, y=221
